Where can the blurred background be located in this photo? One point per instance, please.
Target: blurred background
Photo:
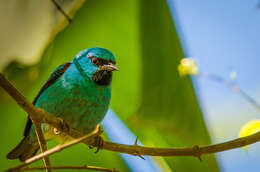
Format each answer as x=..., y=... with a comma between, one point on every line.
x=149, y=98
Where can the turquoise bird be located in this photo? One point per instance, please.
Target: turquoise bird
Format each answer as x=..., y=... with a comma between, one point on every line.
x=78, y=92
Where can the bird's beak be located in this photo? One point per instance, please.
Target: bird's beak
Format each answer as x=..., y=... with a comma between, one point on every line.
x=108, y=67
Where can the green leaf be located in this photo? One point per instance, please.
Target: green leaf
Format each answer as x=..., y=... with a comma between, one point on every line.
x=169, y=114
x=148, y=94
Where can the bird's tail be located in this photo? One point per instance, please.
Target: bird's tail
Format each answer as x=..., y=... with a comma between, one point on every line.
x=24, y=150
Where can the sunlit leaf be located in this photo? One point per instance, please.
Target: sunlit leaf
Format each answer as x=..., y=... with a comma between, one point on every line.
x=27, y=27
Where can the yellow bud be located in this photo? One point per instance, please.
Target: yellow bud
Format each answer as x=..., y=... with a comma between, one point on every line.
x=188, y=66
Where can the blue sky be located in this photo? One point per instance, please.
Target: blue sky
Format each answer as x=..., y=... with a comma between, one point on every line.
x=223, y=36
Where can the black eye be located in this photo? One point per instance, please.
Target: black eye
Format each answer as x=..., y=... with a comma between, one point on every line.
x=94, y=61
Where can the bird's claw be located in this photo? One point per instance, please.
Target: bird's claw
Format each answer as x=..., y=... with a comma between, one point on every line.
x=63, y=125
x=99, y=142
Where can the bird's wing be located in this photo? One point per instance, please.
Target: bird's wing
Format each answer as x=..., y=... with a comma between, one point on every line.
x=54, y=76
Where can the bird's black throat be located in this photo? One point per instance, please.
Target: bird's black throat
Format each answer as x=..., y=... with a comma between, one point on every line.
x=102, y=77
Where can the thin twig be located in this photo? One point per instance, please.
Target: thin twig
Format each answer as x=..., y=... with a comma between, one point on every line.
x=235, y=87
x=195, y=151
x=42, y=143
x=58, y=148
x=85, y=167
x=61, y=11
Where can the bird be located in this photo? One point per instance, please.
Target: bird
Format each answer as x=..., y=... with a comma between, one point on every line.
x=77, y=92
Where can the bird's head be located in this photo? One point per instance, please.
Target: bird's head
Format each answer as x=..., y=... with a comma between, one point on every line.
x=97, y=64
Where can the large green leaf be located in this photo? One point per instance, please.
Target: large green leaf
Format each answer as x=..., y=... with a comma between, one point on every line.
x=169, y=114
x=147, y=93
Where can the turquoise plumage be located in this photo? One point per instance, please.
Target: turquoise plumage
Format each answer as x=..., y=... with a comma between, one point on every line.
x=78, y=92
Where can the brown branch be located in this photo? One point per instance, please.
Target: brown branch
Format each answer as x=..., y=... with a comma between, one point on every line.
x=129, y=149
x=58, y=148
x=42, y=143
x=187, y=151
x=36, y=114
x=85, y=167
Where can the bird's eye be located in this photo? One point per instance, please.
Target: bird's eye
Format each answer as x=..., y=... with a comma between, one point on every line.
x=94, y=61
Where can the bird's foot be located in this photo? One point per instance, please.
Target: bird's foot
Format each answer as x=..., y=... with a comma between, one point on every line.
x=64, y=127
x=98, y=142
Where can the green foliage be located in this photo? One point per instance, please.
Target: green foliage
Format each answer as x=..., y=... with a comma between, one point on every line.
x=147, y=93
x=169, y=109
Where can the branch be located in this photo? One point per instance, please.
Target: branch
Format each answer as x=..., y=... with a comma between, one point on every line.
x=196, y=151
x=58, y=148
x=85, y=167
x=42, y=143
x=36, y=114
x=235, y=87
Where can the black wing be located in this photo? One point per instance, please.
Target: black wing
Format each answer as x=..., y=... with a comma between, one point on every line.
x=54, y=76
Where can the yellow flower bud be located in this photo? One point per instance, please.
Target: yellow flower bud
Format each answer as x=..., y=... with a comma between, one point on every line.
x=188, y=66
